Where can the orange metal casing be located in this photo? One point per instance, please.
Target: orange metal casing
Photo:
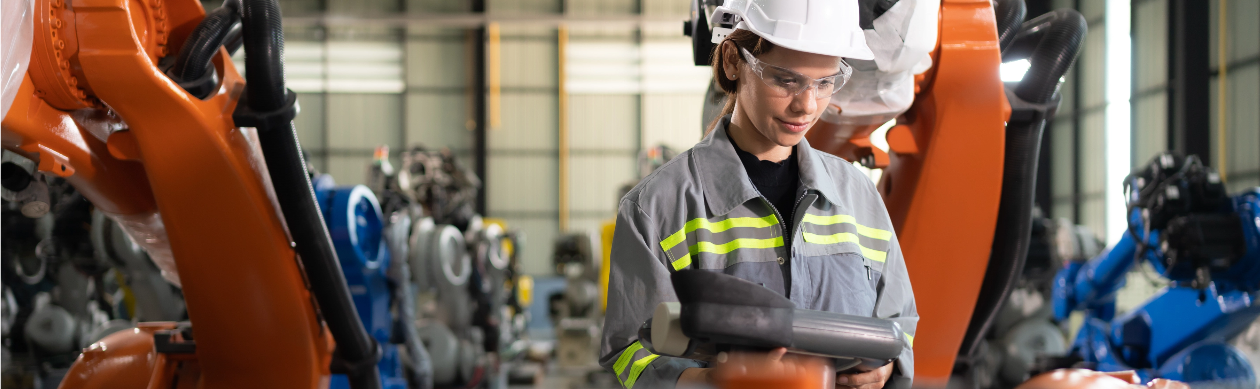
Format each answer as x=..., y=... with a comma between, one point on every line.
x=253, y=318
x=943, y=192
x=944, y=199
x=121, y=360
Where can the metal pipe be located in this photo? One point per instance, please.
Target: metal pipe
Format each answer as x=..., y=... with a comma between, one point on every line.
x=1222, y=56
x=493, y=73
x=562, y=46
x=480, y=114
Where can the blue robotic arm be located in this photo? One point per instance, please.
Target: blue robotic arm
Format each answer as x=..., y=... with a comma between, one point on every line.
x=1092, y=285
x=1207, y=245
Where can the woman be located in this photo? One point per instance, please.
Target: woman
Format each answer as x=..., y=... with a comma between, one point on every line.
x=755, y=201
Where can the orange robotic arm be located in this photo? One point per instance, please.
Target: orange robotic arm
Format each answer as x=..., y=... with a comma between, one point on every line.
x=96, y=108
x=958, y=177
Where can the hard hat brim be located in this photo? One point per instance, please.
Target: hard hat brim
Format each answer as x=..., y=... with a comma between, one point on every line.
x=860, y=51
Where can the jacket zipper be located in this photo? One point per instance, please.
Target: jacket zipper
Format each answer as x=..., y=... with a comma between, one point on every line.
x=795, y=211
x=769, y=204
x=801, y=222
x=777, y=214
x=790, y=239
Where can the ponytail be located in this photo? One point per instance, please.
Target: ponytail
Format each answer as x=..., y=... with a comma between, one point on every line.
x=755, y=44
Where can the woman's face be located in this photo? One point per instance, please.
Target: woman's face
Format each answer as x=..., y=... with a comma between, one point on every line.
x=781, y=120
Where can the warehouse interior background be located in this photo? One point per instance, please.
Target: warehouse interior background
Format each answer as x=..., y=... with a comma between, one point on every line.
x=558, y=107
x=597, y=82
x=618, y=75
x=401, y=73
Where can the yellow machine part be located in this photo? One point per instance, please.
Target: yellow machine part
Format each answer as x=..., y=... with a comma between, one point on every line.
x=129, y=298
x=606, y=239
x=524, y=290
x=523, y=284
x=507, y=243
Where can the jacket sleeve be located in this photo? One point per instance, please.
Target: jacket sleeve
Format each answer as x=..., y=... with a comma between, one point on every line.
x=637, y=281
x=896, y=302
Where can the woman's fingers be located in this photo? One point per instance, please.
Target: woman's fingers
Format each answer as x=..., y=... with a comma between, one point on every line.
x=776, y=354
x=873, y=379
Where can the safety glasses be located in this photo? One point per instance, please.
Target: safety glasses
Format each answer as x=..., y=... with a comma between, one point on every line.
x=787, y=83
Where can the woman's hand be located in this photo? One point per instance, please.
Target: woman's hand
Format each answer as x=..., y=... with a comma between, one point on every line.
x=874, y=379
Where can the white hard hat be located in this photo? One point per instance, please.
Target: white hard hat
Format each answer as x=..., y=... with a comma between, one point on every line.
x=827, y=27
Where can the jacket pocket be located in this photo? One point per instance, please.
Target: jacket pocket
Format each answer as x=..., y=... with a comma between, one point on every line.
x=842, y=282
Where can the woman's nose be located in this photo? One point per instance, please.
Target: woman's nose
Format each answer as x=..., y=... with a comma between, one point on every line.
x=804, y=102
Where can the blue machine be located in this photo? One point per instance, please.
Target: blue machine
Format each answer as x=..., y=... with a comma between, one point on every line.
x=355, y=223
x=1203, y=241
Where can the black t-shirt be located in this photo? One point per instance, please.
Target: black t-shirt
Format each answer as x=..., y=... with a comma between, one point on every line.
x=778, y=183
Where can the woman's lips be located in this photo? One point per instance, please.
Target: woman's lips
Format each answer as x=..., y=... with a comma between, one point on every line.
x=794, y=127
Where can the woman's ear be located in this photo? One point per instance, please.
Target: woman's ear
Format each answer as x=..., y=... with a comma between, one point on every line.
x=730, y=60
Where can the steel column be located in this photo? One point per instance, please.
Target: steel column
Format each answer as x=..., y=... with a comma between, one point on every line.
x=1189, y=113
x=480, y=113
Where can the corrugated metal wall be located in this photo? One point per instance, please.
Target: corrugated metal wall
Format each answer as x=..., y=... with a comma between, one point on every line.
x=1150, y=81
x=1242, y=92
x=631, y=86
x=523, y=180
x=1150, y=104
x=1077, y=131
x=371, y=81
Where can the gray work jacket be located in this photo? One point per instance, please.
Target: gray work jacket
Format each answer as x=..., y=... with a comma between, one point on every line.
x=701, y=211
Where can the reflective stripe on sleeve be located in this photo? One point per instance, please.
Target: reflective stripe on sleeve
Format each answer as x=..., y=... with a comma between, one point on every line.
x=909, y=339
x=636, y=368
x=624, y=359
x=682, y=263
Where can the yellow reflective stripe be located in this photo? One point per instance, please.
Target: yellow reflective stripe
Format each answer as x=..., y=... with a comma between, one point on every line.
x=637, y=369
x=682, y=263
x=742, y=243
x=681, y=235
x=909, y=339
x=624, y=359
x=845, y=237
x=710, y=247
x=868, y=232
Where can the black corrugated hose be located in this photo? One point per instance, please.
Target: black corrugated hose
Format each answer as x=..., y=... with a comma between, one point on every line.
x=203, y=43
x=1055, y=39
x=1051, y=43
x=1010, y=14
x=357, y=353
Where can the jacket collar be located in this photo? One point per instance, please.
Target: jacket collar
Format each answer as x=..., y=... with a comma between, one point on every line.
x=726, y=185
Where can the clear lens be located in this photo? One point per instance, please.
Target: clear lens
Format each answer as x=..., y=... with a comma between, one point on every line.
x=786, y=83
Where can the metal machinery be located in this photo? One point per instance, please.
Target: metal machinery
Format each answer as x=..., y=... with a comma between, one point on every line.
x=460, y=270
x=577, y=312
x=1024, y=331
x=71, y=277
x=648, y=161
x=958, y=176
x=137, y=105
x=1207, y=244
x=358, y=231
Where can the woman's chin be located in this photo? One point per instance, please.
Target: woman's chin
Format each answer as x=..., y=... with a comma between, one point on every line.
x=789, y=139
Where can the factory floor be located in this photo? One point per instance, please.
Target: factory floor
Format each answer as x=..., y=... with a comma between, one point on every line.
x=570, y=378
